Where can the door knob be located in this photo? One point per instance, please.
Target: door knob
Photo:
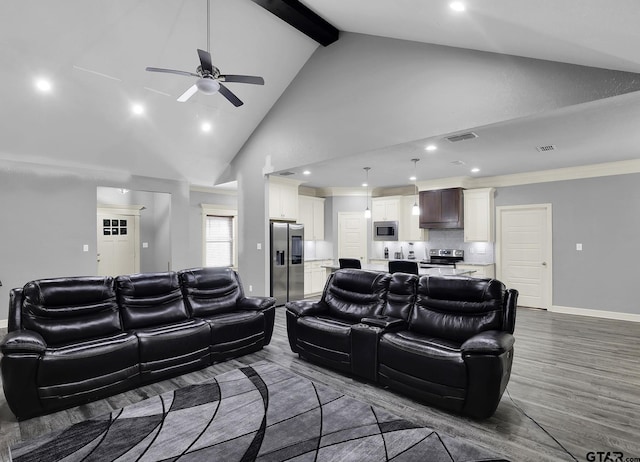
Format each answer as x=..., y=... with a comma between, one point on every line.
x=544, y=263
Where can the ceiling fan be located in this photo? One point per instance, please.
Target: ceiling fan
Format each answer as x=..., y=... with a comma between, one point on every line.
x=209, y=77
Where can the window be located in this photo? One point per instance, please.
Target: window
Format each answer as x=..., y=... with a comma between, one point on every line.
x=219, y=240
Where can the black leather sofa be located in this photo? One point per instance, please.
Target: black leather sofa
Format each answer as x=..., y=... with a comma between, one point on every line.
x=446, y=341
x=77, y=339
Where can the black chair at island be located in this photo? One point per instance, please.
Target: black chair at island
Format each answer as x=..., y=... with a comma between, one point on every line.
x=349, y=263
x=403, y=266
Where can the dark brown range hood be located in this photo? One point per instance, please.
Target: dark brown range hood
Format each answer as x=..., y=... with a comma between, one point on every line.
x=441, y=209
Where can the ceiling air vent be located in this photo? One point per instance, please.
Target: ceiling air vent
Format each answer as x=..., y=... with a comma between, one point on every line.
x=285, y=173
x=462, y=137
x=549, y=147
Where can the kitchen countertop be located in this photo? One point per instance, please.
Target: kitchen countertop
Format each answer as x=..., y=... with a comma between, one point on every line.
x=421, y=271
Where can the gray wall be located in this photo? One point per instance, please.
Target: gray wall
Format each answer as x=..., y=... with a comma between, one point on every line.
x=604, y=215
x=49, y=213
x=442, y=90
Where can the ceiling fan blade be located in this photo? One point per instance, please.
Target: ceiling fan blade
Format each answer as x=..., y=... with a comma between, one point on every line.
x=171, y=71
x=255, y=80
x=192, y=90
x=233, y=99
x=205, y=61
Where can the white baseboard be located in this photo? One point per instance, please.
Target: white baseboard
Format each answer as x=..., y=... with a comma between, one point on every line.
x=596, y=313
x=4, y=323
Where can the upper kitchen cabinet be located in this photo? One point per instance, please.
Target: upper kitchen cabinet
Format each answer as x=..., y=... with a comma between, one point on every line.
x=441, y=208
x=283, y=199
x=479, y=215
x=385, y=208
x=311, y=214
x=409, y=226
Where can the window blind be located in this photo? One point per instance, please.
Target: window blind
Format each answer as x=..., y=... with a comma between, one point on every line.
x=219, y=241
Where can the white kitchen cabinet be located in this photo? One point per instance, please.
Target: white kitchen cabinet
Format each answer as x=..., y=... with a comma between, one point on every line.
x=479, y=212
x=283, y=199
x=409, y=225
x=481, y=271
x=385, y=208
x=315, y=276
x=311, y=214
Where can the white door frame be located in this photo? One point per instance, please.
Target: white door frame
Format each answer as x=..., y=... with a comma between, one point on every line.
x=125, y=210
x=548, y=275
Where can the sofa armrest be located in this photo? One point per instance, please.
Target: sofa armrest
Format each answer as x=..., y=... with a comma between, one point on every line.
x=256, y=303
x=490, y=342
x=307, y=307
x=385, y=322
x=23, y=341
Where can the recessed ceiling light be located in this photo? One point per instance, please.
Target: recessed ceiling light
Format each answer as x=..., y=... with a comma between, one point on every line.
x=412, y=178
x=475, y=170
x=43, y=85
x=364, y=185
x=457, y=6
x=306, y=172
x=206, y=127
x=137, y=109
x=431, y=147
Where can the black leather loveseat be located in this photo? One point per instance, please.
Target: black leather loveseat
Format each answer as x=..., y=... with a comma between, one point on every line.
x=446, y=341
x=73, y=340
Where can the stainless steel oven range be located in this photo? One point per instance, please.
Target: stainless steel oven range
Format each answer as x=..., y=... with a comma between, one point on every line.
x=443, y=258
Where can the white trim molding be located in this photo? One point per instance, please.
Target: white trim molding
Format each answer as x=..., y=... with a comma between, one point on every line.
x=617, y=315
x=4, y=323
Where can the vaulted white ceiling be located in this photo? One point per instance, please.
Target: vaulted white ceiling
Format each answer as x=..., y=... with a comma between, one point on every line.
x=95, y=53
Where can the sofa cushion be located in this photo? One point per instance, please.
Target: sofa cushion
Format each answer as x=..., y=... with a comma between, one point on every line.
x=84, y=367
x=401, y=295
x=150, y=299
x=456, y=308
x=353, y=294
x=210, y=291
x=173, y=348
x=67, y=310
x=432, y=359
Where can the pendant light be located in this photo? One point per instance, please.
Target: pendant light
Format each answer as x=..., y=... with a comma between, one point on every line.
x=367, y=211
x=415, y=210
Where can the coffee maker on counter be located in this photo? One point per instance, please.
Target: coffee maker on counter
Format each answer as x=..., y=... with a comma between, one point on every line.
x=412, y=255
x=386, y=253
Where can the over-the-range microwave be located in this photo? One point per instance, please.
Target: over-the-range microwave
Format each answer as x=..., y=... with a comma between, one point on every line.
x=385, y=230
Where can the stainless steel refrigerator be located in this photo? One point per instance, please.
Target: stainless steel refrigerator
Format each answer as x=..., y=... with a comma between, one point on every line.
x=287, y=262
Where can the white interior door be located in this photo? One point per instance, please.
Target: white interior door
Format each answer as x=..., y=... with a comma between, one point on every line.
x=117, y=244
x=523, y=252
x=352, y=235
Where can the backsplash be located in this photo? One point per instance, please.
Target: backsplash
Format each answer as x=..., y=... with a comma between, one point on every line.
x=474, y=252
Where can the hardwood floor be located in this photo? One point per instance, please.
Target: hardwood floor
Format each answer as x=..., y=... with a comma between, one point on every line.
x=578, y=377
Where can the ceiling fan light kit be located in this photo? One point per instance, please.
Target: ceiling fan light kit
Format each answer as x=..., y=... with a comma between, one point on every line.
x=209, y=77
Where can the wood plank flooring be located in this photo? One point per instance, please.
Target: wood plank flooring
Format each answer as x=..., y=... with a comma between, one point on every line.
x=578, y=377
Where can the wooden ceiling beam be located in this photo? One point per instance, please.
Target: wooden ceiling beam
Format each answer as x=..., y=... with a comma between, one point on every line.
x=302, y=18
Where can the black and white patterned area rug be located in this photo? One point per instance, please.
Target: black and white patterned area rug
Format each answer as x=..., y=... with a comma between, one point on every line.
x=261, y=412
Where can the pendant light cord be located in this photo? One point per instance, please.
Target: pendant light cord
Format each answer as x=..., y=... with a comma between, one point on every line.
x=208, y=26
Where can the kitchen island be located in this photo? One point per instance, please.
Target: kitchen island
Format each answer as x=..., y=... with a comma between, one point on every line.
x=444, y=271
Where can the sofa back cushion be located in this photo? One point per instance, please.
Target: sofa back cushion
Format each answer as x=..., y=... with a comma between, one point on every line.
x=354, y=294
x=456, y=308
x=64, y=310
x=210, y=291
x=401, y=295
x=150, y=299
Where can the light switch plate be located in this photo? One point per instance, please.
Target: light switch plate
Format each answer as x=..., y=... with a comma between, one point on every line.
x=259, y=246
x=85, y=248
x=145, y=245
x=579, y=246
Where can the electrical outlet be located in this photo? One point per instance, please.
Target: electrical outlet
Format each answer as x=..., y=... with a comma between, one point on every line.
x=145, y=245
x=85, y=248
x=250, y=288
x=259, y=246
